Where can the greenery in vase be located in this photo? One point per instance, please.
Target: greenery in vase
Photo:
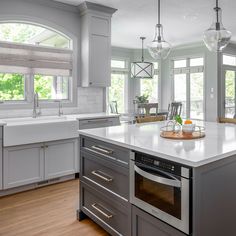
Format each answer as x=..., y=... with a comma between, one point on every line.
x=142, y=98
x=178, y=119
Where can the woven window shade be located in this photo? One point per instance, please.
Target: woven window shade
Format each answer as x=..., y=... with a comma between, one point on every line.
x=26, y=59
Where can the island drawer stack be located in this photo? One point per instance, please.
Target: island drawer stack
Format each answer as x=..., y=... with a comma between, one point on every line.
x=104, y=186
x=1, y=161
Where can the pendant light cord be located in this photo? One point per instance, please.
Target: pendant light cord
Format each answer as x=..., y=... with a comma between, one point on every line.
x=159, y=12
x=217, y=11
x=142, y=38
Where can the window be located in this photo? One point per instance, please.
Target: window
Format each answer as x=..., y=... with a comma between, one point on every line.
x=12, y=87
x=34, y=59
x=117, y=91
x=229, y=85
x=149, y=87
x=188, y=77
x=229, y=60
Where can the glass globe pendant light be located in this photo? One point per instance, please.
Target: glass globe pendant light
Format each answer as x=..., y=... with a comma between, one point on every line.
x=216, y=38
x=159, y=48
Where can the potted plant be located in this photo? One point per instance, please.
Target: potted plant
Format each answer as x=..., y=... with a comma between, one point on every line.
x=142, y=99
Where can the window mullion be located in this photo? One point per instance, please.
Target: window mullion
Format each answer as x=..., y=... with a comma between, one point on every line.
x=188, y=92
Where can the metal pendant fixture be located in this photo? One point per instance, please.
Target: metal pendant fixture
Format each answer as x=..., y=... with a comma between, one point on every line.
x=217, y=37
x=142, y=69
x=159, y=48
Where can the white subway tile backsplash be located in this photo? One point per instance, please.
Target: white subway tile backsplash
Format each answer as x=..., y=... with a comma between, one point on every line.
x=89, y=100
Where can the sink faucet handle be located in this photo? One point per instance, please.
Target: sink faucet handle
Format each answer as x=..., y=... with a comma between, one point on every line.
x=60, y=112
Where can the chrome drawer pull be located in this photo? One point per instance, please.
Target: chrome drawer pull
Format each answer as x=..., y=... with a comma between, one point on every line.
x=102, y=149
x=98, y=120
x=99, y=174
x=102, y=212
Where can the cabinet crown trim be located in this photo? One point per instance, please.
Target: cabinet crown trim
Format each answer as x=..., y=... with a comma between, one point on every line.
x=85, y=6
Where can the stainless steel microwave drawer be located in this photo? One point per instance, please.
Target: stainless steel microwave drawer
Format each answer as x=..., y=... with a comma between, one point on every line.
x=111, y=215
x=99, y=122
x=110, y=151
x=105, y=174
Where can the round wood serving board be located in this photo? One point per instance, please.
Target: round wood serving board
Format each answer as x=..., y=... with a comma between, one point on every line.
x=182, y=135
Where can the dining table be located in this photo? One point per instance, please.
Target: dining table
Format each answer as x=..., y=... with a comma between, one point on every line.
x=131, y=117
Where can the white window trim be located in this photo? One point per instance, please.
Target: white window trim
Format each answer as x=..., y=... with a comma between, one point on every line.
x=29, y=84
x=124, y=71
x=188, y=70
x=158, y=73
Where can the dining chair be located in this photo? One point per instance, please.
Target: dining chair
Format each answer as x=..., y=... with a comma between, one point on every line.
x=114, y=107
x=174, y=109
x=147, y=119
x=147, y=108
x=227, y=120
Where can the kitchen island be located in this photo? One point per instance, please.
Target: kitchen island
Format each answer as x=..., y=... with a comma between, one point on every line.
x=133, y=182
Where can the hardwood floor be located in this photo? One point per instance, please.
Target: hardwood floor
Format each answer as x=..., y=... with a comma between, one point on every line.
x=47, y=211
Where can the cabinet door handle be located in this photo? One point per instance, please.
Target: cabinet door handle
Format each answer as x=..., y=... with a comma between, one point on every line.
x=102, y=175
x=95, y=206
x=102, y=149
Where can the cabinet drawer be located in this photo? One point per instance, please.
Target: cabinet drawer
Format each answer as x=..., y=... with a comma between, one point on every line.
x=146, y=225
x=1, y=133
x=106, y=174
x=111, y=215
x=110, y=151
x=98, y=122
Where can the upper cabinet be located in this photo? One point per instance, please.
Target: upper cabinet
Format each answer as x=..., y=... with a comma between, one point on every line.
x=95, y=44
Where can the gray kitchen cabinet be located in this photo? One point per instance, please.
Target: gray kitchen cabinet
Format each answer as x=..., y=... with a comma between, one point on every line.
x=102, y=207
x=104, y=173
x=99, y=122
x=144, y=224
x=104, y=186
x=27, y=164
x=23, y=165
x=61, y=158
x=95, y=44
x=1, y=161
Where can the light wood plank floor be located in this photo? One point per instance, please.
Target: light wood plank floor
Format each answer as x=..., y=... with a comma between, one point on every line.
x=47, y=211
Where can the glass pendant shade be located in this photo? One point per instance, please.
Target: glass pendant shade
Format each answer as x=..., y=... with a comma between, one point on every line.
x=142, y=69
x=216, y=38
x=159, y=48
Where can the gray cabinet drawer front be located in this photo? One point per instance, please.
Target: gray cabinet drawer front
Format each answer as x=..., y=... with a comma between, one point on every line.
x=1, y=133
x=107, y=174
x=146, y=225
x=98, y=122
x=110, y=151
x=111, y=215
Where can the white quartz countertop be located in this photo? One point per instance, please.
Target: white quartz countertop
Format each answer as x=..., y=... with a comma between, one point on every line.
x=219, y=143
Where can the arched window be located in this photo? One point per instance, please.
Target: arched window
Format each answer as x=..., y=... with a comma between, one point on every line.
x=34, y=59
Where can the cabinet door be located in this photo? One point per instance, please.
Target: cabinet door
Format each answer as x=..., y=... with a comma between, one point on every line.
x=1, y=184
x=146, y=225
x=22, y=165
x=61, y=158
x=100, y=57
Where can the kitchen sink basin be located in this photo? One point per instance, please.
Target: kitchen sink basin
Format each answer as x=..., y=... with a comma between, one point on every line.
x=28, y=130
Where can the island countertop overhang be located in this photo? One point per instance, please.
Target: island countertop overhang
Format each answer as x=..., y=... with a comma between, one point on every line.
x=219, y=143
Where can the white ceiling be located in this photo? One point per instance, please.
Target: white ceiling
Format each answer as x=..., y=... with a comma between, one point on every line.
x=184, y=20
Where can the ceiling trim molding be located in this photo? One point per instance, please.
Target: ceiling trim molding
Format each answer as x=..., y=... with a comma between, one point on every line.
x=86, y=6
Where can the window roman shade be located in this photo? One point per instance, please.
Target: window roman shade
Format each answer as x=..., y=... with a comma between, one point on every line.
x=27, y=59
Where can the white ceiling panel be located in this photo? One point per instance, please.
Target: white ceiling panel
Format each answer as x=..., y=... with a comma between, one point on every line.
x=184, y=20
